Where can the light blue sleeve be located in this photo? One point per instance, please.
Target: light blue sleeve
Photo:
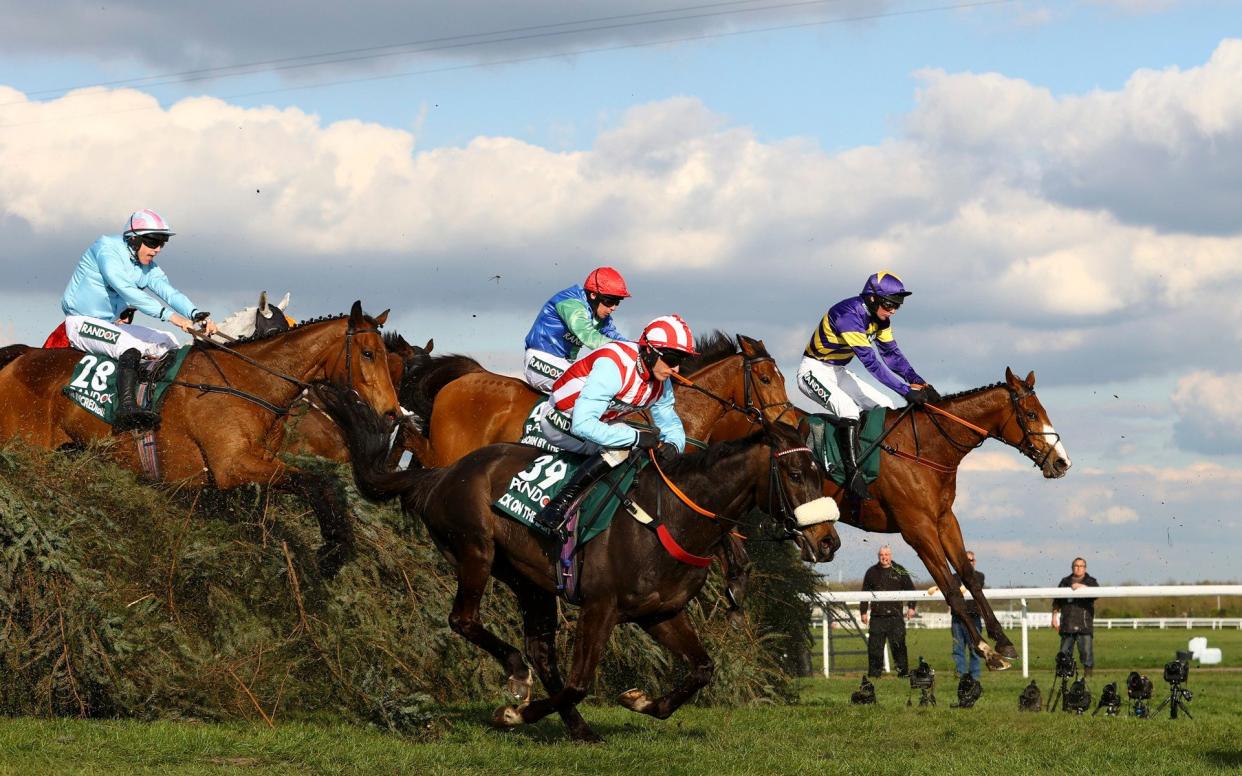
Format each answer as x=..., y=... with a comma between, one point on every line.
x=158, y=283
x=665, y=416
x=598, y=391
x=116, y=272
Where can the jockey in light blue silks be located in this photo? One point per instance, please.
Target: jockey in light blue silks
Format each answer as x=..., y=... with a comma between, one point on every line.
x=115, y=273
x=582, y=415
x=572, y=322
x=850, y=329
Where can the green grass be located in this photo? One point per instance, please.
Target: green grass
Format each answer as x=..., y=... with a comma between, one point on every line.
x=821, y=734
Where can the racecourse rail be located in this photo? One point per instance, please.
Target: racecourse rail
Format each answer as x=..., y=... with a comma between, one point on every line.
x=1020, y=594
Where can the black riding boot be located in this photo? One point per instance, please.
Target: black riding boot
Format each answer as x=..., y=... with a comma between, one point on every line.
x=847, y=437
x=129, y=416
x=551, y=516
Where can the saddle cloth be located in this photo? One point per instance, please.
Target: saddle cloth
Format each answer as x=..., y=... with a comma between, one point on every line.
x=823, y=443
x=93, y=385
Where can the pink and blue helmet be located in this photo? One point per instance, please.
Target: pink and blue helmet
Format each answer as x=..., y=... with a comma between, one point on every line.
x=885, y=285
x=147, y=222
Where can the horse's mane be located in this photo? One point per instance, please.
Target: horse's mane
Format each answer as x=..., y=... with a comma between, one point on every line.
x=296, y=327
x=428, y=378
x=713, y=347
x=971, y=391
x=393, y=340
x=715, y=453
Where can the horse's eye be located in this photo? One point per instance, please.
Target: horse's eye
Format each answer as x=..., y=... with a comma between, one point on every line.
x=369, y=355
x=795, y=476
x=765, y=379
x=1032, y=416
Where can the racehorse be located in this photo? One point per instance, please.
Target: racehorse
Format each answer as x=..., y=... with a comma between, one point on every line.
x=465, y=407
x=914, y=493
x=628, y=575
x=222, y=417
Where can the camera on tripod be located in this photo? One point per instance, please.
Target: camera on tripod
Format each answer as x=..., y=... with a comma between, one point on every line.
x=1176, y=672
x=923, y=679
x=1066, y=668
x=1138, y=688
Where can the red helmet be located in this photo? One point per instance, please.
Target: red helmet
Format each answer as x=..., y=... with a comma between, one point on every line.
x=606, y=281
x=669, y=332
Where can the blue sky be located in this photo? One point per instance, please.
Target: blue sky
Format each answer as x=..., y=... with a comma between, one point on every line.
x=1057, y=181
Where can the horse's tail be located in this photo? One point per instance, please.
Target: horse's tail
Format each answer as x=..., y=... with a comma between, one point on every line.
x=368, y=435
x=11, y=352
x=428, y=378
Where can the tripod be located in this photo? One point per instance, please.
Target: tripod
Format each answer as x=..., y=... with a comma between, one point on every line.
x=926, y=698
x=1175, y=701
x=1059, y=693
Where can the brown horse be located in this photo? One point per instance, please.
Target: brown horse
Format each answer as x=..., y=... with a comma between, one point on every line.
x=465, y=407
x=628, y=575
x=914, y=493
x=223, y=416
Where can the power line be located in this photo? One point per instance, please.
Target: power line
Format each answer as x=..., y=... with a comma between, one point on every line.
x=538, y=57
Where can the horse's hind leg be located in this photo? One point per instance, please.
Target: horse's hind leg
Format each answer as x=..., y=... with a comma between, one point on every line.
x=594, y=627
x=678, y=636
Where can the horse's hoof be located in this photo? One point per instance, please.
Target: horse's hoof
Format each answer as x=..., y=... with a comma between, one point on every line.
x=635, y=700
x=1008, y=651
x=519, y=689
x=506, y=717
x=996, y=662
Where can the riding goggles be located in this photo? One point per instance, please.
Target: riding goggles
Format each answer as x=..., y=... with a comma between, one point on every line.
x=608, y=301
x=154, y=240
x=672, y=358
x=889, y=303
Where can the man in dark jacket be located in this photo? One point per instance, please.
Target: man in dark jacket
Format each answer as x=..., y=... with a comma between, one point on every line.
x=1074, y=618
x=964, y=657
x=888, y=623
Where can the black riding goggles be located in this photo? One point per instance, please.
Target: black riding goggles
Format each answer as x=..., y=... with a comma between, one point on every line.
x=889, y=303
x=672, y=358
x=608, y=301
x=153, y=240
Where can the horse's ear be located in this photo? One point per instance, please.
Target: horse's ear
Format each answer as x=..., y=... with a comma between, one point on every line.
x=1010, y=377
x=263, y=303
x=804, y=428
x=379, y=319
x=1030, y=379
x=283, y=304
x=746, y=345
x=355, y=313
x=431, y=343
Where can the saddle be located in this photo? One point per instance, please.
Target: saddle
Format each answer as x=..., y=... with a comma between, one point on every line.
x=823, y=443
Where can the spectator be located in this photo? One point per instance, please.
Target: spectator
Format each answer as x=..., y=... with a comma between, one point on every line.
x=1074, y=618
x=888, y=625
x=963, y=650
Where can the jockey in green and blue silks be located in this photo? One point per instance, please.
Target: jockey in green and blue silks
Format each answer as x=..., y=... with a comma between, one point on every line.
x=115, y=273
x=571, y=323
x=860, y=327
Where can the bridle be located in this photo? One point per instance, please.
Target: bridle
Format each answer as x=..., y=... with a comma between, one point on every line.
x=275, y=409
x=749, y=409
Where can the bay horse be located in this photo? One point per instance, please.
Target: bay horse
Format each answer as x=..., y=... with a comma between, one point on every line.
x=914, y=493
x=223, y=416
x=628, y=575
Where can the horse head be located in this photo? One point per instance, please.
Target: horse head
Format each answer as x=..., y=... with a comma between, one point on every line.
x=796, y=493
x=269, y=318
x=363, y=362
x=1029, y=430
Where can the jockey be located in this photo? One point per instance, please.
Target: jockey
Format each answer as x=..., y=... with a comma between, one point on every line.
x=604, y=385
x=119, y=272
x=574, y=320
x=848, y=330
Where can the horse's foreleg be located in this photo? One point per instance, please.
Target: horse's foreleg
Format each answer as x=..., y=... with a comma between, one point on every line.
x=474, y=567
x=594, y=627
x=539, y=627
x=955, y=548
x=324, y=494
x=678, y=636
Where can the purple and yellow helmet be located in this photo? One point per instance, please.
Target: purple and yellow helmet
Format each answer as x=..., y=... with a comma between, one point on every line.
x=885, y=285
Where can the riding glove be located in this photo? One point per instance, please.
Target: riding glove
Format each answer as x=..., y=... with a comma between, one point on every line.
x=917, y=396
x=933, y=395
x=666, y=454
x=647, y=440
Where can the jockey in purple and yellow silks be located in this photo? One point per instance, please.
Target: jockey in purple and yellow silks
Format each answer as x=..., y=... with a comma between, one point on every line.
x=115, y=276
x=583, y=413
x=861, y=327
x=574, y=321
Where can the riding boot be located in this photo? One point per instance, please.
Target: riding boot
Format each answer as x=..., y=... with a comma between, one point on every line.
x=551, y=516
x=129, y=416
x=847, y=437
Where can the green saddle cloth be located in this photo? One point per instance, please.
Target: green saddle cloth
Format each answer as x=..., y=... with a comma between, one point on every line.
x=823, y=442
x=532, y=489
x=93, y=387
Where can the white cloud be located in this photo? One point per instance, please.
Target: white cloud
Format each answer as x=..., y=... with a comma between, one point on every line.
x=1209, y=418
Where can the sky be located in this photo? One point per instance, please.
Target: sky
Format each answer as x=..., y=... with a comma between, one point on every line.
x=1059, y=183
